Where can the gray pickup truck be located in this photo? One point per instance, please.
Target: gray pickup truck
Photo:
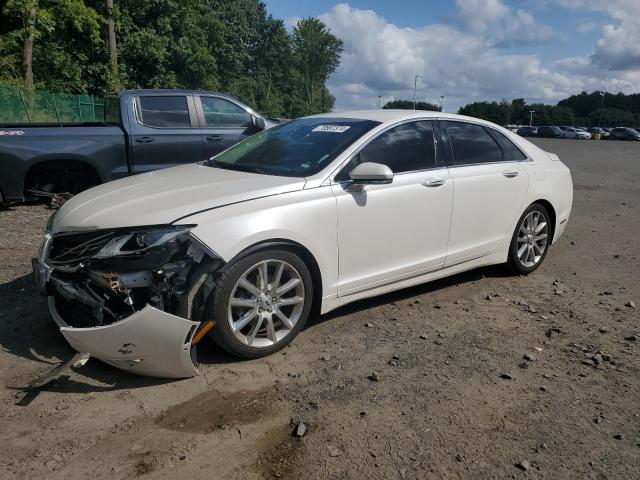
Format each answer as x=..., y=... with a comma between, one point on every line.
x=151, y=129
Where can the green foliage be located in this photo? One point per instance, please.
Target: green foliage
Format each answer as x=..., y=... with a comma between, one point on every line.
x=585, y=109
x=316, y=55
x=67, y=36
x=408, y=105
x=233, y=46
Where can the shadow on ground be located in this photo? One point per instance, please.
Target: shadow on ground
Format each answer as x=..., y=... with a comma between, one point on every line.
x=27, y=331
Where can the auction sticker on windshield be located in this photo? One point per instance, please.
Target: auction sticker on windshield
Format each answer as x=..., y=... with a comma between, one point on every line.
x=331, y=128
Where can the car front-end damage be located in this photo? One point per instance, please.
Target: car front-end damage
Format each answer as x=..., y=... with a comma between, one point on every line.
x=132, y=297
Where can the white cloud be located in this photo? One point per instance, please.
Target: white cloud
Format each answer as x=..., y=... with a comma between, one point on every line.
x=462, y=61
x=499, y=24
x=619, y=46
x=291, y=22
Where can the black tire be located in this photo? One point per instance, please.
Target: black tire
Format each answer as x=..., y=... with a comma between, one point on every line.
x=514, y=261
x=216, y=308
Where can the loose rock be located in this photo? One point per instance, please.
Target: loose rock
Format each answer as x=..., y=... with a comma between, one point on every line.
x=523, y=465
x=334, y=452
x=300, y=430
x=630, y=304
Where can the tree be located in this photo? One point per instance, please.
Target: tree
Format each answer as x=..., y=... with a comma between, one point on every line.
x=235, y=46
x=316, y=54
x=114, y=84
x=408, y=105
x=57, y=40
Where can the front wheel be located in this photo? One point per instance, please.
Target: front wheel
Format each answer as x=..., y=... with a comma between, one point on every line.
x=260, y=303
x=530, y=240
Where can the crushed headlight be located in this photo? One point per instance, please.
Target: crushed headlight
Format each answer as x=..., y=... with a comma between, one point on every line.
x=141, y=240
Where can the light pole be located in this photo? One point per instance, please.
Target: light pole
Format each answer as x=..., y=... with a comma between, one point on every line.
x=441, y=101
x=415, y=83
x=601, y=108
x=531, y=112
x=379, y=97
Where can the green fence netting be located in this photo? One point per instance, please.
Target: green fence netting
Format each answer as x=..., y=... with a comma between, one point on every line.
x=25, y=106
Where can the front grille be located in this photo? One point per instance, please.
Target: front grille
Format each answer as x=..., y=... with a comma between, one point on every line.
x=68, y=248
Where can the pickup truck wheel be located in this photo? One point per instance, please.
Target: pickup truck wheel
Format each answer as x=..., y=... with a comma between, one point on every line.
x=260, y=303
x=60, y=176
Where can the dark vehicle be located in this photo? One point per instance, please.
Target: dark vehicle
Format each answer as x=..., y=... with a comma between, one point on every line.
x=550, y=132
x=594, y=130
x=148, y=130
x=624, y=133
x=527, y=131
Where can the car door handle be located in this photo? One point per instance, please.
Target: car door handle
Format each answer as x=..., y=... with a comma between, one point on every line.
x=214, y=138
x=433, y=182
x=144, y=139
x=511, y=173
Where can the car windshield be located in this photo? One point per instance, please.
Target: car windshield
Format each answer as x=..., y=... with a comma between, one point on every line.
x=299, y=148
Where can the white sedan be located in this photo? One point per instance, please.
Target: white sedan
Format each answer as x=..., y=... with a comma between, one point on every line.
x=576, y=133
x=304, y=217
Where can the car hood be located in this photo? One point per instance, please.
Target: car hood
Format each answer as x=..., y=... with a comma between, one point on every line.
x=163, y=196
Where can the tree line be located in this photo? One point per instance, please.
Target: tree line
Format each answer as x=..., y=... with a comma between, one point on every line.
x=235, y=46
x=408, y=105
x=585, y=109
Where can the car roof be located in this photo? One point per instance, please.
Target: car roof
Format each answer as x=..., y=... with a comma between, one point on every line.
x=385, y=116
x=169, y=91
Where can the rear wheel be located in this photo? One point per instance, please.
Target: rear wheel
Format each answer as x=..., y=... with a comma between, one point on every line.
x=260, y=303
x=530, y=240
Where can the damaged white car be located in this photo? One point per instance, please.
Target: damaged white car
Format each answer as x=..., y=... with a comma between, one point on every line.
x=317, y=212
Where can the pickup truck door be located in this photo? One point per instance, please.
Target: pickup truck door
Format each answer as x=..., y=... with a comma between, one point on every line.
x=164, y=132
x=223, y=123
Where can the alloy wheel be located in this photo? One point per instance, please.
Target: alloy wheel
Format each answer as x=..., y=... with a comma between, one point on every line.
x=532, y=239
x=266, y=303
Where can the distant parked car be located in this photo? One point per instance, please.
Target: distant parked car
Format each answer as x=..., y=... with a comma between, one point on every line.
x=595, y=130
x=550, y=132
x=624, y=133
x=527, y=131
x=576, y=134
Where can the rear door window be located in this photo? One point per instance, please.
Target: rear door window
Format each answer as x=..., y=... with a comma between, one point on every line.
x=223, y=113
x=471, y=144
x=164, y=111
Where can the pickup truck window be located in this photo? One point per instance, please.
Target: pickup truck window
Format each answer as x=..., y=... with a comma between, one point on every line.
x=164, y=111
x=222, y=113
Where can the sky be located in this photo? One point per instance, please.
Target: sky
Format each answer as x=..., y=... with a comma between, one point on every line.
x=475, y=50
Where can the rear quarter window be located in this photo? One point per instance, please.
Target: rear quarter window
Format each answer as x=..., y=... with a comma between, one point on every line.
x=509, y=151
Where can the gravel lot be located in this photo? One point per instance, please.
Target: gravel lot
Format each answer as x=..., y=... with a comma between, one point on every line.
x=429, y=382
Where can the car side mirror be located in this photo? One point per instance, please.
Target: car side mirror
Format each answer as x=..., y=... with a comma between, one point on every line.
x=258, y=123
x=369, y=173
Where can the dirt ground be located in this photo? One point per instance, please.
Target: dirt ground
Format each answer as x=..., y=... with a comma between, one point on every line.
x=430, y=382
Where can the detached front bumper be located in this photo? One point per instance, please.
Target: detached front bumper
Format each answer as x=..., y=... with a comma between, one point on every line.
x=149, y=342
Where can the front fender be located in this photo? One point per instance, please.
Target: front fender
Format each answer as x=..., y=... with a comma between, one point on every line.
x=306, y=217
